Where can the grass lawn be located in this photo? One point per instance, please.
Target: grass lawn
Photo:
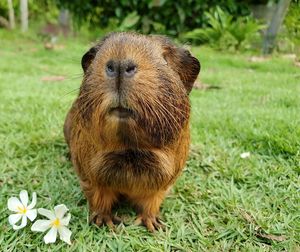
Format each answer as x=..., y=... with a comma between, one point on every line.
x=220, y=203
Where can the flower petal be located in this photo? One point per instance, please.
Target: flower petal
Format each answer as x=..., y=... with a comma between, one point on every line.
x=23, y=224
x=60, y=210
x=24, y=197
x=41, y=225
x=47, y=213
x=65, y=234
x=50, y=237
x=13, y=203
x=33, y=202
x=31, y=214
x=245, y=155
x=65, y=221
x=14, y=218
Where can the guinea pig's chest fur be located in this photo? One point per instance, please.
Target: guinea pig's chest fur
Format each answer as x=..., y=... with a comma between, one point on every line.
x=133, y=169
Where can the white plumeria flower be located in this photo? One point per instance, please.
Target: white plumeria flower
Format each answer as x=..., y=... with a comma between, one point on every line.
x=56, y=222
x=245, y=155
x=21, y=209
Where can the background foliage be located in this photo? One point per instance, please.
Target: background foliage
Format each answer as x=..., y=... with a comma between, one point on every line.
x=224, y=24
x=42, y=10
x=292, y=21
x=225, y=32
x=149, y=16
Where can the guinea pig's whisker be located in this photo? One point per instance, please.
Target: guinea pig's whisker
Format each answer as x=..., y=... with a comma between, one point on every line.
x=85, y=106
x=161, y=123
x=179, y=110
x=89, y=104
x=148, y=110
x=70, y=92
x=170, y=124
x=172, y=96
x=166, y=112
x=74, y=77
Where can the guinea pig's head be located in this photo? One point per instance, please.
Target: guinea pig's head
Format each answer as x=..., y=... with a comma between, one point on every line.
x=136, y=87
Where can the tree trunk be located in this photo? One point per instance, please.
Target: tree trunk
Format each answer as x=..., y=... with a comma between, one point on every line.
x=11, y=14
x=24, y=15
x=277, y=19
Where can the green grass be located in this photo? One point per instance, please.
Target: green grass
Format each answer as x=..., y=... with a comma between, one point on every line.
x=220, y=203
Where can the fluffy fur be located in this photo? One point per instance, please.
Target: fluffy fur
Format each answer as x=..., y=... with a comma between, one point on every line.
x=138, y=156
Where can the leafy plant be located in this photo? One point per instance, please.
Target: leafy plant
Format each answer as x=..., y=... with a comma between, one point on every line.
x=129, y=21
x=289, y=39
x=223, y=31
x=149, y=16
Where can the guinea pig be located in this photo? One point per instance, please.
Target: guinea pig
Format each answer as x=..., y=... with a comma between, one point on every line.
x=128, y=130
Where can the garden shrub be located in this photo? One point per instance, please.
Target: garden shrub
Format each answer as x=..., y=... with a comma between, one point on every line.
x=149, y=16
x=224, y=32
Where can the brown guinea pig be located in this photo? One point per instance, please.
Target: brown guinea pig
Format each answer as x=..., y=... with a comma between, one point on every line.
x=128, y=130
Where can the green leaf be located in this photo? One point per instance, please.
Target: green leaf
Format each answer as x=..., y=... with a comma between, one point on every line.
x=130, y=21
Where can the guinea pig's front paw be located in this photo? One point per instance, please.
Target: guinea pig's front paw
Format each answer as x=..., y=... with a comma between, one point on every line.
x=152, y=223
x=104, y=219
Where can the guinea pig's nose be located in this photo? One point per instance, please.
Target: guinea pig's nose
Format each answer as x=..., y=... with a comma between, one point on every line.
x=112, y=69
x=129, y=69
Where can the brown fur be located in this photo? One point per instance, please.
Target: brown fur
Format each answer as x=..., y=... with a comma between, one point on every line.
x=139, y=157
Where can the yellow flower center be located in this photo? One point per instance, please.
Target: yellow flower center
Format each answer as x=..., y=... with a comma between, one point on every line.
x=22, y=210
x=55, y=223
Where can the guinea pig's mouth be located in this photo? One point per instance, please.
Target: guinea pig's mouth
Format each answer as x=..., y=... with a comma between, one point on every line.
x=121, y=112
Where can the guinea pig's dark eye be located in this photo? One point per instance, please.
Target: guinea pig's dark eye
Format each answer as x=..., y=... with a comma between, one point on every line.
x=111, y=70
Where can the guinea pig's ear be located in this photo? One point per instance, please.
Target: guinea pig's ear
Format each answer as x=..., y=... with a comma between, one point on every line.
x=182, y=62
x=88, y=57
